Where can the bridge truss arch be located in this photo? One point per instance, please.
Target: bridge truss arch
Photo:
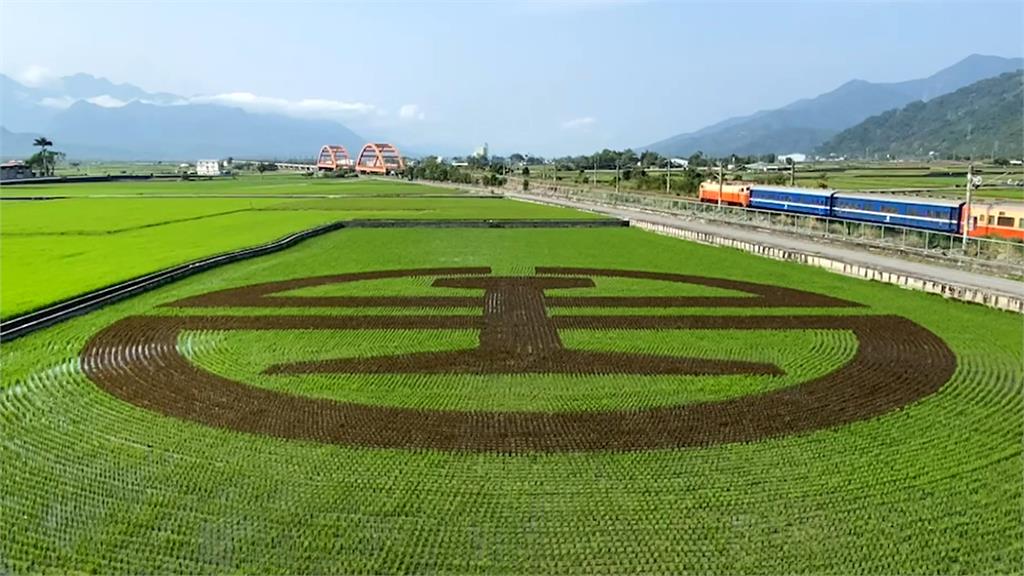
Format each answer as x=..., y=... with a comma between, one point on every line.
x=379, y=158
x=333, y=157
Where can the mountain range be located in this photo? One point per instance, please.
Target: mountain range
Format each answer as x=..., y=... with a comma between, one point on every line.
x=93, y=118
x=983, y=118
x=804, y=125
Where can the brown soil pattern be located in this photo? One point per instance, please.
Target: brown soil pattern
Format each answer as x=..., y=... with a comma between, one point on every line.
x=517, y=336
x=261, y=295
x=897, y=362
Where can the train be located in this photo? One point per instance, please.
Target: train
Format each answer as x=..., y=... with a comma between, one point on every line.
x=1002, y=219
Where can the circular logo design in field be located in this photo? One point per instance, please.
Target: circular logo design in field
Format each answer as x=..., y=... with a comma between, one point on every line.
x=896, y=363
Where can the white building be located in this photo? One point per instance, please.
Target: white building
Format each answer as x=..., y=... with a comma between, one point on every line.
x=208, y=167
x=796, y=158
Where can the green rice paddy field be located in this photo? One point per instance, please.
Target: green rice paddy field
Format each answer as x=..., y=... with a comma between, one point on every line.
x=118, y=455
x=55, y=249
x=245, y=185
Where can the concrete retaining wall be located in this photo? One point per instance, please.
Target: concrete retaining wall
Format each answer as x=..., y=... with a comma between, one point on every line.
x=948, y=290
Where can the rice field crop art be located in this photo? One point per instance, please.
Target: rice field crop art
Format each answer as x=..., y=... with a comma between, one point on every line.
x=530, y=401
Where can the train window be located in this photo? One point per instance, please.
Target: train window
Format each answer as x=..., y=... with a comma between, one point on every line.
x=1005, y=221
x=1020, y=223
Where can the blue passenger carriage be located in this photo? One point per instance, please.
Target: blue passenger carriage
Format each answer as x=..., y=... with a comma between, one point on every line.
x=786, y=199
x=925, y=213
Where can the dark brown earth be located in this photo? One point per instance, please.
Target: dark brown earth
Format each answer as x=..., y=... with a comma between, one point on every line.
x=261, y=295
x=897, y=362
x=517, y=337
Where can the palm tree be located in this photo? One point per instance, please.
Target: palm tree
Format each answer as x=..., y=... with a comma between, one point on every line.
x=43, y=142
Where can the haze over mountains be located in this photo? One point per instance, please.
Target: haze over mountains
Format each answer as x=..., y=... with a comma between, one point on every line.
x=93, y=118
x=805, y=124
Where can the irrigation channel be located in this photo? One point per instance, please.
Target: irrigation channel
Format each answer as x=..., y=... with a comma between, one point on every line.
x=24, y=324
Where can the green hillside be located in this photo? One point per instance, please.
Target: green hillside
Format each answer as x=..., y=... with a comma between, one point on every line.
x=980, y=120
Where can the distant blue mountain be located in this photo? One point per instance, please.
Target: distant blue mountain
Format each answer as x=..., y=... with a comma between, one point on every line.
x=805, y=124
x=93, y=118
x=147, y=131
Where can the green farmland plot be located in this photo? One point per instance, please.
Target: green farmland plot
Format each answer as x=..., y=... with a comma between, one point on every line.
x=55, y=249
x=270, y=185
x=160, y=434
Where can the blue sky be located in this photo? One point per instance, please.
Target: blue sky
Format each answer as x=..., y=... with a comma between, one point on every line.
x=546, y=78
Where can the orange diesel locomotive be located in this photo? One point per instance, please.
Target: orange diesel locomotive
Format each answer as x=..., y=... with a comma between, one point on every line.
x=732, y=193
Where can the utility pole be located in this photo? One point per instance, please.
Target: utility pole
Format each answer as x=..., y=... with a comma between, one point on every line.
x=721, y=184
x=617, y=162
x=593, y=175
x=967, y=205
x=792, y=173
x=668, y=179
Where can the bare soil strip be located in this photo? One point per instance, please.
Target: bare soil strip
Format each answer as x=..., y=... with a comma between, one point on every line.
x=262, y=295
x=518, y=337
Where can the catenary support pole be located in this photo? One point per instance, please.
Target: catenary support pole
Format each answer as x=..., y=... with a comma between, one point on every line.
x=967, y=206
x=721, y=185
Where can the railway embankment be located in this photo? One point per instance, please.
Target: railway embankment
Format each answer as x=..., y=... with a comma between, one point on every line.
x=958, y=284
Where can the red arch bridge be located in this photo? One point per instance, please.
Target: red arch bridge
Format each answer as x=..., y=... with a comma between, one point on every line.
x=374, y=158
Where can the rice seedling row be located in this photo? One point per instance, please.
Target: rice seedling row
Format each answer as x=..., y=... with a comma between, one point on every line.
x=96, y=480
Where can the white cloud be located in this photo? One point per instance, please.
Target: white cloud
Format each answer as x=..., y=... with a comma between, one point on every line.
x=309, y=108
x=106, y=101
x=64, y=102
x=35, y=76
x=59, y=103
x=582, y=122
x=411, y=112
x=305, y=108
x=176, y=102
